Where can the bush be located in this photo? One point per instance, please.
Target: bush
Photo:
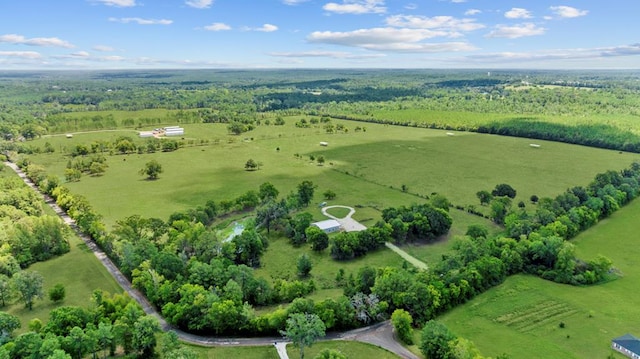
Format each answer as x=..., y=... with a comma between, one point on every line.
x=57, y=293
x=402, y=321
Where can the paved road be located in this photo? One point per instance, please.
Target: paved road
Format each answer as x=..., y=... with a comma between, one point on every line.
x=380, y=334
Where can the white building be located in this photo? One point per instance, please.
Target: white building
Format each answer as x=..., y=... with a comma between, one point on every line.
x=328, y=226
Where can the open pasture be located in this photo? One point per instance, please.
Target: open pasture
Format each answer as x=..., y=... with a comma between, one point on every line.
x=379, y=160
x=522, y=316
x=458, y=166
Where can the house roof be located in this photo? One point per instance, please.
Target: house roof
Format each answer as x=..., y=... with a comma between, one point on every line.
x=629, y=342
x=329, y=223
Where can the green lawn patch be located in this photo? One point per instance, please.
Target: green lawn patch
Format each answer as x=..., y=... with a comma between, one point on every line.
x=353, y=350
x=522, y=316
x=79, y=271
x=338, y=212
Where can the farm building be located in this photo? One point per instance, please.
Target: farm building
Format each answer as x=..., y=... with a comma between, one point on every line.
x=328, y=226
x=324, y=143
x=173, y=131
x=145, y=134
x=627, y=345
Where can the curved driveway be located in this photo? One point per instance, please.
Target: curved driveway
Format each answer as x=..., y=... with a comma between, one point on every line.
x=380, y=334
x=348, y=224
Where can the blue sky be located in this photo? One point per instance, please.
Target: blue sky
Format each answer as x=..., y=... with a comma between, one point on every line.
x=137, y=34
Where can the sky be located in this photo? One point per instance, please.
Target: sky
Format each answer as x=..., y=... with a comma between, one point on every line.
x=174, y=34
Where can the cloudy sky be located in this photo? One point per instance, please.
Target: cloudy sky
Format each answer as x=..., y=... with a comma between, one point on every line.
x=123, y=34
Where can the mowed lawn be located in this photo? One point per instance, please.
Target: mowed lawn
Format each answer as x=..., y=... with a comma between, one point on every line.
x=79, y=271
x=522, y=316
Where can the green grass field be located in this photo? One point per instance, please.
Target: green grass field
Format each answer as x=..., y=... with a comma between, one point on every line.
x=353, y=350
x=79, y=271
x=522, y=316
x=358, y=164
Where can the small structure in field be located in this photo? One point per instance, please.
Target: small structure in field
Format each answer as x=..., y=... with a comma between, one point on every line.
x=173, y=131
x=145, y=134
x=627, y=345
x=450, y=134
x=69, y=135
x=325, y=144
x=535, y=145
x=328, y=226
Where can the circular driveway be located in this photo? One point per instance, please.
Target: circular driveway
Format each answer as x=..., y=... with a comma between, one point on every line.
x=348, y=224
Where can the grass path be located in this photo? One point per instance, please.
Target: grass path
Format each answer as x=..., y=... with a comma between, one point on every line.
x=409, y=258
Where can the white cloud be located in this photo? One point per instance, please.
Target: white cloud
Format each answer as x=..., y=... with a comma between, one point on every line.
x=516, y=31
x=217, y=26
x=411, y=6
x=140, y=21
x=267, y=28
x=117, y=3
x=103, y=48
x=389, y=39
x=35, y=41
x=293, y=2
x=458, y=1
x=518, y=13
x=472, y=12
x=356, y=7
x=21, y=54
x=568, y=11
x=556, y=54
x=80, y=54
x=437, y=22
x=330, y=54
x=199, y=4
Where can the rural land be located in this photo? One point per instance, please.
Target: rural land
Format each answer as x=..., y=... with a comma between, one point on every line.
x=342, y=213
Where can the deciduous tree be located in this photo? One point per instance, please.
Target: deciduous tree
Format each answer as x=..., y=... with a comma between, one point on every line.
x=303, y=330
x=29, y=286
x=152, y=170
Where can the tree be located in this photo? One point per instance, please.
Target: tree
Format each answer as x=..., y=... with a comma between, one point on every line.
x=57, y=293
x=401, y=320
x=504, y=189
x=8, y=323
x=435, y=338
x=329, y=194
x=304, y=265
x=317, y=237
x=267, y=191
x=484, y=197
x=251, y=165
x=152, y=170
x=303, y=330
x=320, y=160
x=305, y=192
x=28, y=284
x=477, y=231
x=6, y=289
x=144, y=335
x=534, y=198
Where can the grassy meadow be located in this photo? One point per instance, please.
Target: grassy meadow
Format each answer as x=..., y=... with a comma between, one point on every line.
x=522, y=316
x=379, y=160
x=79, y=271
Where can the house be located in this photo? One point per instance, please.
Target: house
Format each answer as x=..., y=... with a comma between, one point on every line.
x=328, y=226
x=627, y=345
x=325, y=144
